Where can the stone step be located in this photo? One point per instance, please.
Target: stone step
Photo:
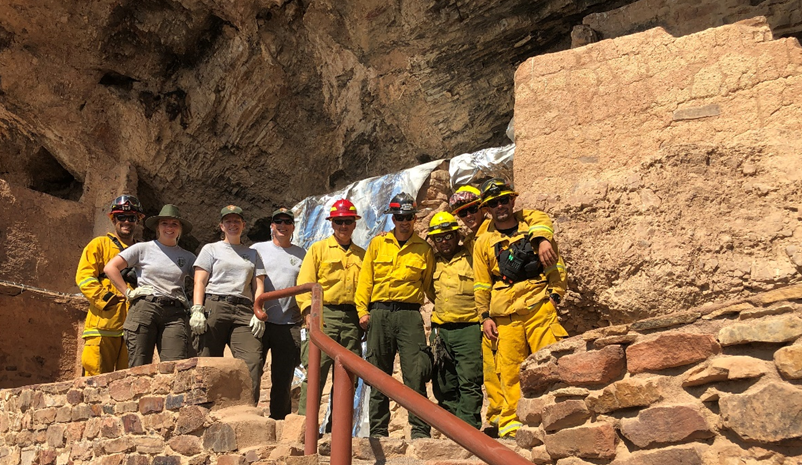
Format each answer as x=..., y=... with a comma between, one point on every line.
x=243, y=425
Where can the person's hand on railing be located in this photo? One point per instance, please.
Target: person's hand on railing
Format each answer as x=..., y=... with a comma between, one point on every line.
x=363, y=321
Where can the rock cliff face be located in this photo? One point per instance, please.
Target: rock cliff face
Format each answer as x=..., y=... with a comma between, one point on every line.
x=670, y=166
x=255, y=102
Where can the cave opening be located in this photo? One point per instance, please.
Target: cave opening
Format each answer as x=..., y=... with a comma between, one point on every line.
x=47, y=175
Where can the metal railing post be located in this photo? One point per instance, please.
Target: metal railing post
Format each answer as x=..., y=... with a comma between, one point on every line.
x=313, y=375
x=342, y=414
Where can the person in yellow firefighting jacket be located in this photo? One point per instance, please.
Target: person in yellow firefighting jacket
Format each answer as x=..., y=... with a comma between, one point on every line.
x=104, y=350
x=396, y=274
x=466, y=204
x=334, y=263
x=456, y=337
x=519, y=279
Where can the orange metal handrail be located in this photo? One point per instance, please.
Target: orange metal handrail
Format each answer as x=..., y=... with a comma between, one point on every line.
x=346, y=364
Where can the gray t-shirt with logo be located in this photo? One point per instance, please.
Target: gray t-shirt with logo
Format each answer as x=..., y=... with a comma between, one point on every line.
x=231, y=268
x=282, y=266
x=160, y=266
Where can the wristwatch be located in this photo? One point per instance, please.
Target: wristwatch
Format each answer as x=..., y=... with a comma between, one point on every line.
x=485, y=316
x=556, y=298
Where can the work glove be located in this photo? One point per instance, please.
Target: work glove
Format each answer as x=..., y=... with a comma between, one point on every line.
x=198, y=319
x=257, y=327
x=141, y=291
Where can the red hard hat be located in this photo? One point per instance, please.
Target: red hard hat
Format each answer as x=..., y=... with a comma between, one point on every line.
x=343, y=208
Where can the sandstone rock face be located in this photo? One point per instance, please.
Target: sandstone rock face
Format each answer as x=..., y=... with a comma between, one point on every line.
x=647, y=138
x=665, y=425
x=768, y=414
x=670, y=350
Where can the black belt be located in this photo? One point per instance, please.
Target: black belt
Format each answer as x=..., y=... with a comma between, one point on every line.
x=231, y=299
x=163, y=301
x=394, y=306
x=342, y=307
x=454, y=325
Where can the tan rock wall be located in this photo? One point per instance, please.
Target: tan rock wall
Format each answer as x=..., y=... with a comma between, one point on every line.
x=669, y=165
x=712, y=384
x=41, y=337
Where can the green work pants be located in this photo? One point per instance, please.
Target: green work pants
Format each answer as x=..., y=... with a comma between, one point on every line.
x=457, y=378
x=150, y=325
x=230, y=324
x=343, y=327
x=398, y=331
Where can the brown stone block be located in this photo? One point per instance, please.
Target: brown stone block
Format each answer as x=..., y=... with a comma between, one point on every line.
x=132, y=424
x=115, y=446
x=378, y=449
x=293, y=428
x=792, y=292
x=92, y=428
x=624, y=339
x=75, y=396
x=55, y=435
x=283, y=451
x=151, y=405
x=45, y=416
x=47, y=457
x=789, y=362
x=111, y=427
x=437, y=449
x=161, y=422
x=121, y=390
x=190, y=419
x=666, y=425
x=670, y=350
x=148, y=444
x=82, y=450
x=64, y=414
x=137, y=459
x=565, y=414
x=186, y=444
x=140, y=386
x=162, y=384
x=778, y=329
x=126, y=407
x=74, y=431
x=232, y=460
x=528, y=437
x=595, y=441
x=220, y=437
x=537, y=379
x=188, y=364
x=630, y=392
x=144, y=370
x=116, y=459
x=725, y=368
x=167, y=367
x=530, y=410
x=673, y=455
x=166, y=460
x=665, y=321
x=770, y=413
x=595, y=367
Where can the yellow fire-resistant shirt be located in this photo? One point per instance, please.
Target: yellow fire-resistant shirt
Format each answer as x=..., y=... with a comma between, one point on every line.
x=107, y=307
x=470, y=239
x=335, y=269
x=391, y=273
x=452, y=286
x=498, y=298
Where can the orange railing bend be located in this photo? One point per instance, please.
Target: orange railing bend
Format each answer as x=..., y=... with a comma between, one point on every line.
x=347, y=364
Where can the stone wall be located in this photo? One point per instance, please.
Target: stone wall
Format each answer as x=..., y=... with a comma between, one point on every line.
x=713, y=384
x=41, y=337
x=669, y=165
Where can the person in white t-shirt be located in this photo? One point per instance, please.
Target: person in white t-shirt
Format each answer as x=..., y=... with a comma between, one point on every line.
x=158, y=316
x=228, y=277
x=283, y=327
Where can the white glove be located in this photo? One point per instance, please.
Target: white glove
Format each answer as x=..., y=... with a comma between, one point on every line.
x=257, y=327
x=198, y=319
x=141, y=291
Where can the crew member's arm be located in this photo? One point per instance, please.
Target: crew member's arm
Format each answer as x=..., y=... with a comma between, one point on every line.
x=112, y=270
x=86, y=277
x=199, y=290
x=482, y=283
x=428, y=277
x=541, y=233
x=307, y=274
x=558, y=280
x=364, y=287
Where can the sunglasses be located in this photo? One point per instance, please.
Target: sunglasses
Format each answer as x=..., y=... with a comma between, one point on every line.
x=126, y=218
x=443, y=237
x=286, y=221
x=468, y=211
x=340, y=222
x=500, y=201
x=400, y=217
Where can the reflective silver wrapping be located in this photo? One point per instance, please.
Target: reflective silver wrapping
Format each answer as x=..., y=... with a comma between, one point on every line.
x=473, y=168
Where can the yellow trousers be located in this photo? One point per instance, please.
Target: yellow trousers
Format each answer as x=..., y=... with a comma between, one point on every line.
x=495, y=399
x=103, y=354
x=518, y=337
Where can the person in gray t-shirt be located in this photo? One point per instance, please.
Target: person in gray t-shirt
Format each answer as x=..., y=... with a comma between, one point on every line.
x=228, y=277
x=283, y=328
x=158, y=313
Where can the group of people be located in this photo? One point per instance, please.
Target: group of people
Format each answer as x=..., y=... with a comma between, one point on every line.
x=495, y=292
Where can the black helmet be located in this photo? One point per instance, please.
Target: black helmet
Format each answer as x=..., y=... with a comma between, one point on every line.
x=403, y=204
x=125, y=204
x=495, y=188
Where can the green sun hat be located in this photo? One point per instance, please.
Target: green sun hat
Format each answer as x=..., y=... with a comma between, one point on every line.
x=168, y=211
